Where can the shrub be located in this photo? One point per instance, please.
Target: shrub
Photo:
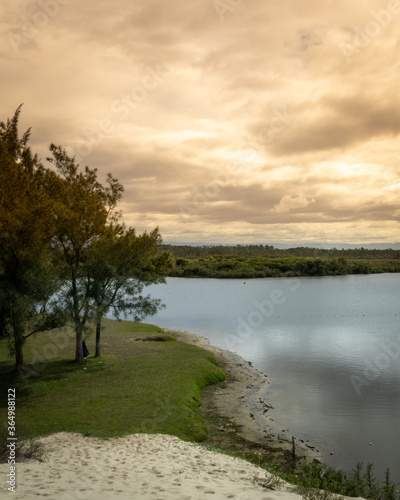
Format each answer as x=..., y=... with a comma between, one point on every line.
x=27, y=448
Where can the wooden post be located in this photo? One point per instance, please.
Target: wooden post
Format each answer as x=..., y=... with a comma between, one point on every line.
x=293, y=450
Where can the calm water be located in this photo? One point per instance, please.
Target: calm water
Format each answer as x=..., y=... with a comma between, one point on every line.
x=330, y=345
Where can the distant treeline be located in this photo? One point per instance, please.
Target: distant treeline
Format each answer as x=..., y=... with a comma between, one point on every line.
x=262, y=261
x=195, y=252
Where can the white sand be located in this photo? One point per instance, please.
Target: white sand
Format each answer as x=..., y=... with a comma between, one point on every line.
x=139, y=466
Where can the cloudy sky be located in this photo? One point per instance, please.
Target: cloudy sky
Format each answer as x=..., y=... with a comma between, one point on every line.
x=233, y=121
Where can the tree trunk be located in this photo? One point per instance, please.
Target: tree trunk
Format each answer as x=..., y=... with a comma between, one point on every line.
x=19, y=354
x=18, y=345
x=98, y=328
x=78, y=350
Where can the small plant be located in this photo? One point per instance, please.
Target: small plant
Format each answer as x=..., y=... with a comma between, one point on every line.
x=269, y=481
x=370, y=481
x=355, y=484
x=256, y=458
x=389, y=488
x=324, y=477
x=316, y=494
x=319, y=481
x=31, y=449
x=27, y=448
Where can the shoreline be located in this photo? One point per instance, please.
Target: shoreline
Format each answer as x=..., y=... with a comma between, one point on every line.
x=162, y=466
x=240, y=399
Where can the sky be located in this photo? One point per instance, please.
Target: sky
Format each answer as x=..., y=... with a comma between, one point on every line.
x=226, y=121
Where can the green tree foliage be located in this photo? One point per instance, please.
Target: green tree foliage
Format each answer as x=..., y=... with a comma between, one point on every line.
x=105, y=265
x=28, y=274
x=259, y=267
x=258, y=261
x=118, y=266
x=64, y=254
x=83, y=212
x=252, y=251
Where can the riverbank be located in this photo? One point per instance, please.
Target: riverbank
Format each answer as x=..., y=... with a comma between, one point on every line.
x=239, y=401
x=222, y=405
x=143, y=465
x=153, y=465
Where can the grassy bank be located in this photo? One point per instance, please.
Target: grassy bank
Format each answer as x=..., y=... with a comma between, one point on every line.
x=136, y=386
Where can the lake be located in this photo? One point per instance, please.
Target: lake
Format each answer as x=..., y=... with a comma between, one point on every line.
x=330, y=345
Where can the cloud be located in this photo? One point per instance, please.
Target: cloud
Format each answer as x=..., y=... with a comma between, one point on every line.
x=279, y=100
x=292, y=203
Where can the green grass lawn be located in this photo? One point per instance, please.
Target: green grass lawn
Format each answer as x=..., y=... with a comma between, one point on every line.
x=133, y=387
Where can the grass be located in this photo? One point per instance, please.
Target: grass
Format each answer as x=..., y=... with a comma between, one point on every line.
x=151, y=386
x=134, y=387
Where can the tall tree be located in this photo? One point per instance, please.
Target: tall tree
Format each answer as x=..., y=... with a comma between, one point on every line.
x=84, y=212
x=118, y=267
x=28, y=275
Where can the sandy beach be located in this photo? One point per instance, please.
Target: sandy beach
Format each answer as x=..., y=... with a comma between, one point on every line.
x=154, y=466
x=140, y=466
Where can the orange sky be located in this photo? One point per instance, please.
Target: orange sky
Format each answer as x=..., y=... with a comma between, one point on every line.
x=232, y=121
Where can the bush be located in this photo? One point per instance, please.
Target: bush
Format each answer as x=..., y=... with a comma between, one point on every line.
x=27, y=448
x=320, y=481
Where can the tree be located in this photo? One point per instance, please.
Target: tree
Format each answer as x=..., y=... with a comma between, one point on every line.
x=28, y=276
x=57, y=227
x=119, y=265
x=84, y=211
